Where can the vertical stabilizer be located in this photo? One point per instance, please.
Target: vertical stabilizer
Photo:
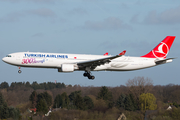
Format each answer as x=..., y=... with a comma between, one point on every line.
x=162, y=49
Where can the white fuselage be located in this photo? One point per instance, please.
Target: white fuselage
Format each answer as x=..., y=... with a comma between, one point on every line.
x=55, y=60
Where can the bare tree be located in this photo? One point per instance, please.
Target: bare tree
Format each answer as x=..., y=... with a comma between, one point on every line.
x=139, y=85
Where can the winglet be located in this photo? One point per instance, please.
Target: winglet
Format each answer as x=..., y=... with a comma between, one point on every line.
x=123, y=52
x=106, y=54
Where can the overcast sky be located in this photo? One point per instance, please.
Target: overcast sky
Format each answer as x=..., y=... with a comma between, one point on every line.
x=89, y=27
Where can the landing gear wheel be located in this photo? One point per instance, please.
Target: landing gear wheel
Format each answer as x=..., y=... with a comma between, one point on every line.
x=88, y=75
x=92, y=77
x=19, y=71
x=85, y=74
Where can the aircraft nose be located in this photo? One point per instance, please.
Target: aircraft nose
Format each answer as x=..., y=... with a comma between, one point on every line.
x=4, y=59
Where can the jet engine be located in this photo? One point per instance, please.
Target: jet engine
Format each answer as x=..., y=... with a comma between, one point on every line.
x=66, y=68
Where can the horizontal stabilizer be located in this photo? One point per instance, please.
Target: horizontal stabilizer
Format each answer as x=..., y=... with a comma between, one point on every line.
x=158, y=62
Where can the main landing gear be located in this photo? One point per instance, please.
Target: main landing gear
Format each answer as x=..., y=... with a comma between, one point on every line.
x=88, y=74
x=19, y=71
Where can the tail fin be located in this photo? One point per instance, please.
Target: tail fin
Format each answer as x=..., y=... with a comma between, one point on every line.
x=162, y=49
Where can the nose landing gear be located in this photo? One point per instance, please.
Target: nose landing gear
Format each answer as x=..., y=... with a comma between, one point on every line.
x=88, y=74
x=19, y=71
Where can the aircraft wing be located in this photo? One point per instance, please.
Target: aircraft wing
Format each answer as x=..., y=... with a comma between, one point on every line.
x=97, y=62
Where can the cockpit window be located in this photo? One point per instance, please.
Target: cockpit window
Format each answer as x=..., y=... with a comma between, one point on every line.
x=8, y=55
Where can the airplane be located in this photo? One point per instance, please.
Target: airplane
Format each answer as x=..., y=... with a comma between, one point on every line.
x=79, y=62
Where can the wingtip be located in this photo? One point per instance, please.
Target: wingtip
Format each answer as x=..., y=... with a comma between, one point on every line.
x=123, y=52
x=106, y=54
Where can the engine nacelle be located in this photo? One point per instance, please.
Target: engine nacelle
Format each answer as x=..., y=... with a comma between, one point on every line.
x=66, y=68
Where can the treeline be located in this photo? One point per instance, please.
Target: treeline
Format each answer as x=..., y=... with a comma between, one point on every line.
x=134, y=99
x=34, y=85
x=43, y=101
x=8, y=112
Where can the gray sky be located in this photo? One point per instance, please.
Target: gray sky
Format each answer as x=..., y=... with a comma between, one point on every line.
x=89, y=27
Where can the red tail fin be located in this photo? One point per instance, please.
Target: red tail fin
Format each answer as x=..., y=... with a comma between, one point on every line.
x=162, y=49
